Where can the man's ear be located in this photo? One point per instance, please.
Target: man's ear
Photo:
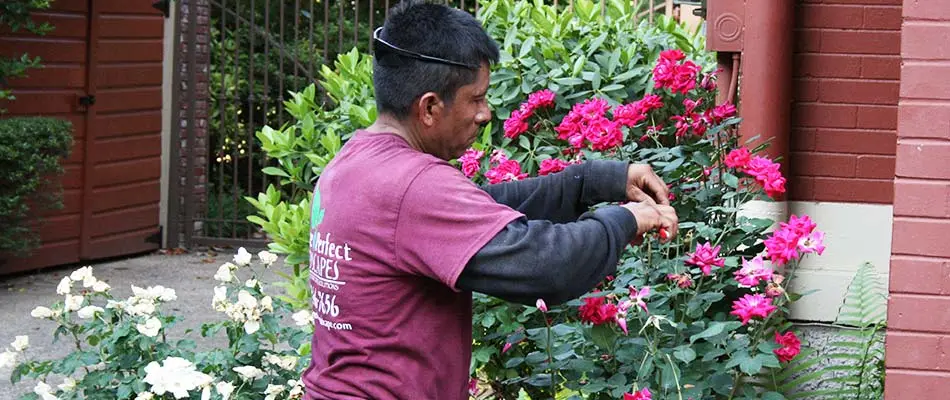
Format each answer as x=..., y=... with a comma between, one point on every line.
x=431, y=108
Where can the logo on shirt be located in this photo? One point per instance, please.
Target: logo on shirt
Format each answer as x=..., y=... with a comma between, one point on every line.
x=326, y=257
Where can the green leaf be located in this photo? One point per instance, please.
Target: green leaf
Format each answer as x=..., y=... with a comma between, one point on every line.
x=750, y=365
x=685, y=354
x=773, y=396
x=524, y=142
x=702, y=158
x=730, y=180
x=526, y=47
x=594, y=387
x=625, y=76
x=514, y=362
x=715, y=328
x=274, y=171
x=603, y=336
x=488, y=320
x=483, y=354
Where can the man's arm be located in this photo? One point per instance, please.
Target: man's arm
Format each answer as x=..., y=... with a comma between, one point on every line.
x=563, y=196
x=532, y=259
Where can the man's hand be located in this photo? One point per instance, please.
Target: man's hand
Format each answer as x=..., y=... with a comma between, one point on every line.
x=644, y=186
x=652, y=217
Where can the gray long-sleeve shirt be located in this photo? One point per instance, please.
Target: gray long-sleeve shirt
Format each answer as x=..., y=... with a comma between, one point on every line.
x=560, y=250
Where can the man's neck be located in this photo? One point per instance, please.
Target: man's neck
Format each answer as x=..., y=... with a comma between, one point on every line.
x=388, y=124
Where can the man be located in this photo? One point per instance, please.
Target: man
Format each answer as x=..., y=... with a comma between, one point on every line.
x=400, y=238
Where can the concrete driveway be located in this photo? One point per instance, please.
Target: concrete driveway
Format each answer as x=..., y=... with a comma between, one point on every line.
x=190, y=274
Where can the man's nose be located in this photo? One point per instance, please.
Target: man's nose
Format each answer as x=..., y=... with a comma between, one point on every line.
x=483, y=116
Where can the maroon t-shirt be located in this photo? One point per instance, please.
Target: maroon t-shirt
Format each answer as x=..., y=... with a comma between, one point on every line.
x=392, y=229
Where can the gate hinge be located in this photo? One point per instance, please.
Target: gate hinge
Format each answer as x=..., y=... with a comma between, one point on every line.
x=163, y=6
x=156, y=237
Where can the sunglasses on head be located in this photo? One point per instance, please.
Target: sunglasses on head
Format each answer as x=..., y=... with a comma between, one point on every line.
x=384, y=46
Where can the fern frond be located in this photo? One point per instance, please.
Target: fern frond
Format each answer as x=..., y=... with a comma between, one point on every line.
x=852, y=368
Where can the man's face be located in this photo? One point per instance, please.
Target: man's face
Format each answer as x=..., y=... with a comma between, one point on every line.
x=458, y=123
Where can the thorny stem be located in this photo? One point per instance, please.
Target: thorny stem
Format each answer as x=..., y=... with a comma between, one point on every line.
x=550, y=358
x=679, y=391
x=735, y=385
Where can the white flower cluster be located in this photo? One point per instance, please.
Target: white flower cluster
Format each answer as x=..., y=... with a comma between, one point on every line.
x=303, y=318
x=45, y=391
x=273, y=392
x=247, y=310
x=176, y=376
x=74, y=302
x=85, y=276
x=225, y=272
x=9, y=357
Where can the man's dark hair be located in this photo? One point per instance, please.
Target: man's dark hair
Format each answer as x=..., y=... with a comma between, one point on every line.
x=433, y=30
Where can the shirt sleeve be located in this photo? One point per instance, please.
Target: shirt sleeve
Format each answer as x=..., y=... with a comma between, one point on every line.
x=536, y=259
x=565, y=195
x=444, y=219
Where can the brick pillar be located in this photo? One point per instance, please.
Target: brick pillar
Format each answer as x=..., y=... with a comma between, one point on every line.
x=196, y=150
x=918, y=336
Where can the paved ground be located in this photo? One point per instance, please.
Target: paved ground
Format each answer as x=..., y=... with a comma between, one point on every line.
x=189, y=274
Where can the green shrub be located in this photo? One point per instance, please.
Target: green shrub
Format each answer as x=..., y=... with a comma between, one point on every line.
x=301, y=150
x=30, y=152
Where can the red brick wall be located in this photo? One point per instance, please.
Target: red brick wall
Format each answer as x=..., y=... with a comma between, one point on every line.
x=918, y=337
x=197, y=150
x=844, y=115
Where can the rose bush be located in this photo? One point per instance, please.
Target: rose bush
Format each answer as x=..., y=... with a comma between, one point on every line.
x=121, y=349
x=701, y=317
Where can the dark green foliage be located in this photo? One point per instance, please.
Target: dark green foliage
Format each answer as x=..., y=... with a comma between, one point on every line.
x=15, y=14
x=30, y=154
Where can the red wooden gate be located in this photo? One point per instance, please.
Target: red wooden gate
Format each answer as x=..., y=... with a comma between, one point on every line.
x=110, y=50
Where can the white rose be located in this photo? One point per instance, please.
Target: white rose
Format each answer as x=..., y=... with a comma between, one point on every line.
x=100, y=287
x=177, y=376
x=220, y=300
x=267, y=304
x=224, y=272
x=20, y=343
x=246, y=299
x=141, y=293
x=65, y=285
x=90, y=281
x=165, y=294
x=303, y=317
x=272, y=391
x=297, y=391
x=150, y=328
x=89, y=311
x=251, y=283
x=224, y=389
x=242, y=258
x=41, y=312
x=249, y=372
x=145, y=396
x=140, y=306
x=81, y=274
x=68, y=385
x=267, y=258
x=252, y=326
x=73, y=303
x=43, y=390
x=8, y=359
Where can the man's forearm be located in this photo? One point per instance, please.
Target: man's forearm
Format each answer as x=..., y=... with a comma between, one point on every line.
x=563, y=196
x=529, y=260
